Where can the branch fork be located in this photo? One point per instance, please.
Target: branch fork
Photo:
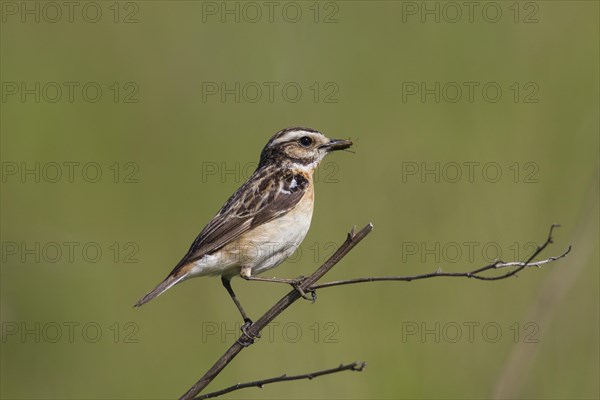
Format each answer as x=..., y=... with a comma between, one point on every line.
x=304, y=285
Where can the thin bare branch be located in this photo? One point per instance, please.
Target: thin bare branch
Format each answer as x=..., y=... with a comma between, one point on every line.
x=309, y=284
x=355, y=366
x=253, y=331
x=475, y=274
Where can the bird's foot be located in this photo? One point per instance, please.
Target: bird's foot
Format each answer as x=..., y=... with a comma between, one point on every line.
x=296, y=285
x=247, y=337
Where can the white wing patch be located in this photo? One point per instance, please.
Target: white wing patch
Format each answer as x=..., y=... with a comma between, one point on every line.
x=294, y=183
x=282, y=188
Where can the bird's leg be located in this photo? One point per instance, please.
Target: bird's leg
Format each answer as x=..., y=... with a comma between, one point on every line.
x=247, y=321
x=295, y=283
x=227, y=283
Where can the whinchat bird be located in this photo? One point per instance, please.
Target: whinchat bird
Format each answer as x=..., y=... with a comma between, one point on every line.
x=264, y=221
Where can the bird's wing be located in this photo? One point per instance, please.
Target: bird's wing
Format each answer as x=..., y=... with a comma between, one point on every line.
x=261, y=199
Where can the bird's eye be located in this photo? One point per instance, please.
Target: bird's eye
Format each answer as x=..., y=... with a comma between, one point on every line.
x=305, y=141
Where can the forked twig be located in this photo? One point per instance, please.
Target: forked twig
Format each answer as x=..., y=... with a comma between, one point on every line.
x=309, y=284
x=475, y=274
x=254, y=330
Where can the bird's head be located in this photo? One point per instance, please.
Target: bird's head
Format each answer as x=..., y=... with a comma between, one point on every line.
x=302, y=147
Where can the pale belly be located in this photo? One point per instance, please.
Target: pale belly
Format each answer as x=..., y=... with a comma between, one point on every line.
x=262, y=248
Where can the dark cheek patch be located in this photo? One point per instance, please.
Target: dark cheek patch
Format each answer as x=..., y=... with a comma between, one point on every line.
x=297, y=154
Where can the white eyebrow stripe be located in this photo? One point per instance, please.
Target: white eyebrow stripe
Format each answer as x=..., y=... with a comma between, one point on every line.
x=289, y=136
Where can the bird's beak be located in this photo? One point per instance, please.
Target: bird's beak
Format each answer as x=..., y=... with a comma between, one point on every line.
x=337, y=144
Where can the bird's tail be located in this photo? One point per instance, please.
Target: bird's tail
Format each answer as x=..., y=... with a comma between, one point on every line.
x=162, y=287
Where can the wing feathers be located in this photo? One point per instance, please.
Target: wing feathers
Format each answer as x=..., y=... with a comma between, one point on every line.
x=267, y=195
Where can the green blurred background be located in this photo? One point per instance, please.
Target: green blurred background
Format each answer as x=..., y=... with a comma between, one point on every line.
x=68, y=328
